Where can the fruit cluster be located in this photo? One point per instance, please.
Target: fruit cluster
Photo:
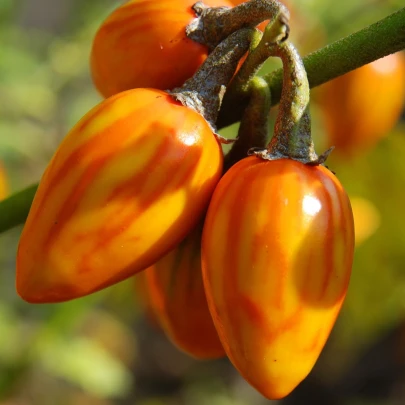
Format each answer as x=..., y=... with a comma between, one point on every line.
x=251, y=260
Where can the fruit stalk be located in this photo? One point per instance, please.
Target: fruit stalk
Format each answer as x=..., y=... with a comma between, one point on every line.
x=292, y=132
x=276, y=31
x=253, y=130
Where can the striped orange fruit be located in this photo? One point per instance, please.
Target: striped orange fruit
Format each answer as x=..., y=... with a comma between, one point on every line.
x=363, y=106
x=126, y=185
x=143, y=43
x=277, y=252
x=176, y=294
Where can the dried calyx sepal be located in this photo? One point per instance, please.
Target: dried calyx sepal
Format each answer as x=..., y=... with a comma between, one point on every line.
x=213, y=24
x=292, y=133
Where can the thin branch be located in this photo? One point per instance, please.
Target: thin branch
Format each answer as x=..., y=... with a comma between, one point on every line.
x=14, y=210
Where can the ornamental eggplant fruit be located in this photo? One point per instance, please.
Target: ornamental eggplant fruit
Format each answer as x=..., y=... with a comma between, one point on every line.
x=143, y=43
x=176, y=294
x=277, y=252
x=362, y=106
x=126, y=185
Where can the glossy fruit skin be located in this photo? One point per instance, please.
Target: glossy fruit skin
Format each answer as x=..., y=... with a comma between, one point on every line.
x=143, y=43
x=177, y=296
x=362, y=106
x=277, y=252
x=126, y=185
x=4, y=188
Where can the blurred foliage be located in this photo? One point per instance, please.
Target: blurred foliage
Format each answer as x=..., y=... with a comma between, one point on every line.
x=99, y=349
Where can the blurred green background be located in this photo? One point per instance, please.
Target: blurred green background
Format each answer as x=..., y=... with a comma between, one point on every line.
x=100, y=350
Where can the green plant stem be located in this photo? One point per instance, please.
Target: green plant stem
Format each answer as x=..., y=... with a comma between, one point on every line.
x=14, y=210
x=374, y=42
x=380, y=39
